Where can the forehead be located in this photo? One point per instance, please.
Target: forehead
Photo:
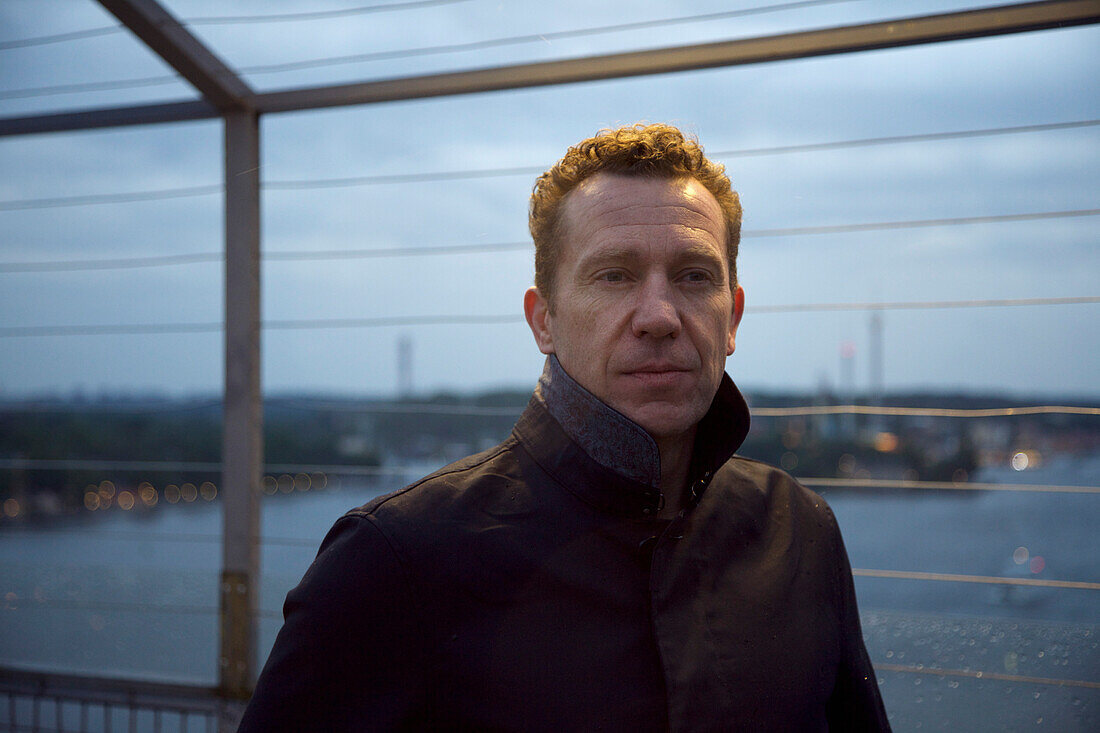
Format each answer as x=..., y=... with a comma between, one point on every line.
x=609, y=207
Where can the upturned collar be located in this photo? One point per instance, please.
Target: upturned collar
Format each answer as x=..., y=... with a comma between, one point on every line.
x=609, y=437
x=611, y=461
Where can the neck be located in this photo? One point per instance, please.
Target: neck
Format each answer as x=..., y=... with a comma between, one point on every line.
x=675, y=463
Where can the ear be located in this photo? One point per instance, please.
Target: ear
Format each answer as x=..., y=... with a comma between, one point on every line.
x=735, y=317
x=537, y=310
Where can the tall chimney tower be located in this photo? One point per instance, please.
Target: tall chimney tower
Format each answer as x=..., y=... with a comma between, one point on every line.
x=404, y=367
x=875, y=358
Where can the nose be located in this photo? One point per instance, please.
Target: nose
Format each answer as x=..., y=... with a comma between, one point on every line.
x=655, y=312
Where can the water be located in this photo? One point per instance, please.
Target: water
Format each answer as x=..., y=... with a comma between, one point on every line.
x=135, y=595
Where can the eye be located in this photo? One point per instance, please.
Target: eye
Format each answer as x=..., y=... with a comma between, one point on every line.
x=697, y=276
x=612, y=276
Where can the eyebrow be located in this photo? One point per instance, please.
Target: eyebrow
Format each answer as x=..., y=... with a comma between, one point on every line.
x=702, y=252
x=606, y=255
x=612, y=254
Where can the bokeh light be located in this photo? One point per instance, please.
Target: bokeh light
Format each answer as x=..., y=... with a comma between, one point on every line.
x=791, y=438
x=886, y=442
x=106, y=493
x=147, y=493
x=208, y=491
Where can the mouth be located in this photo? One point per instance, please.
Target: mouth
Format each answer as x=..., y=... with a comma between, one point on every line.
x=657, y=375
x=658, y=368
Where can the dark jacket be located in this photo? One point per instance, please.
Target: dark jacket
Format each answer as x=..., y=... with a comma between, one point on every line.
x=531, y=587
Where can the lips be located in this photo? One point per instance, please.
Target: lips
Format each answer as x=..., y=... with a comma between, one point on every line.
x=657, y=368
x=658, y=376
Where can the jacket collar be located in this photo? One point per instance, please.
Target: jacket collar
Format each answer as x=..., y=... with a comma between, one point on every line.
x=610, y=438
x=607, y=459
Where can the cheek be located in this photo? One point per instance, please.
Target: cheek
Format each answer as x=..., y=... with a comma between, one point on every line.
x=718, y=333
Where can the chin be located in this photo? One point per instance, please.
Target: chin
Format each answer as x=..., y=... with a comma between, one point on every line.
x=661, y=426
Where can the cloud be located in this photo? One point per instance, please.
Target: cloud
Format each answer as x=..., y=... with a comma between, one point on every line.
x=1015, y=80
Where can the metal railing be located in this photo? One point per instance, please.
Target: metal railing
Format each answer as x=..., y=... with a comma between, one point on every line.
x=45, y=702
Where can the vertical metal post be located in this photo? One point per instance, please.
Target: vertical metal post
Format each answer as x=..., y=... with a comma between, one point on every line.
x=242, y=440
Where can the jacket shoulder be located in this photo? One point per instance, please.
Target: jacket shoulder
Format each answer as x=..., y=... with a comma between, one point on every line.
x=438, y=510
x=770, y=489
x=449, y=479
x=768, y=478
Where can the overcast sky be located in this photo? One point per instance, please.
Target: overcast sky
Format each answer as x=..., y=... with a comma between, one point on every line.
x=1034, y=79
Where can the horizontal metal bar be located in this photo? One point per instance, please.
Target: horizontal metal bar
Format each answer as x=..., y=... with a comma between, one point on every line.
x=925, y=411
x=845, y=39
x=983, y=675
x=133, y=693
x=983, y=579
x=917, y=485
x=70, y=604
x=311, y=324
x=91, y=119
x=979, y=23
x=185, y=53
x=46, y=464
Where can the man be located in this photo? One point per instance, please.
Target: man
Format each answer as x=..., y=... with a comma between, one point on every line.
x=611, y=565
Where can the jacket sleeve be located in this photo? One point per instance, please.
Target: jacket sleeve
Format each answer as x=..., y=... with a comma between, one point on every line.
x=856, y=704
x=349, y=655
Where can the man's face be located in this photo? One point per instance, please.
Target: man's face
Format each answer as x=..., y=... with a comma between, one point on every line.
x=642, y=314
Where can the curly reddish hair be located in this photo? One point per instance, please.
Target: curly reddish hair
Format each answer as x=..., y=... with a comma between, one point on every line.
x=655, y=151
